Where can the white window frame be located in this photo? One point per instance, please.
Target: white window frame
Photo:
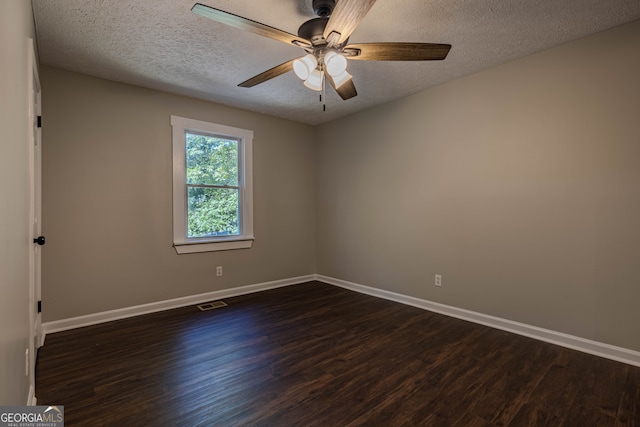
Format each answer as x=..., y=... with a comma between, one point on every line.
x=181, y=242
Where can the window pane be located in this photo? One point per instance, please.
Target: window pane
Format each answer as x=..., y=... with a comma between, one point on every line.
x=212, y=212
x=211, y=160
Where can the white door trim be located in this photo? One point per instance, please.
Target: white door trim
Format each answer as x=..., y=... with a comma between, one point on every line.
x=35, y=210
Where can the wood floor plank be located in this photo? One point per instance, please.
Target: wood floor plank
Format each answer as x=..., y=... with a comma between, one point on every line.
x=318, y=355
x=629, y=408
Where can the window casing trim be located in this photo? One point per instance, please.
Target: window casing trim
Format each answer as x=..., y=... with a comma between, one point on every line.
x=183, y=244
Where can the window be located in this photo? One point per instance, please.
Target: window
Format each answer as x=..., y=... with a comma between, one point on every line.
x=212, y=186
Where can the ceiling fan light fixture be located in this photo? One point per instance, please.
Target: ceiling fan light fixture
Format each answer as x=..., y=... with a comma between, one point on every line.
x=324, y=40
x=314, y=81
x=341, y=79
x=335, y=64
x=303, y=67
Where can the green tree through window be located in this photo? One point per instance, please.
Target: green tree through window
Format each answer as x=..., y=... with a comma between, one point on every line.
x=212, y=185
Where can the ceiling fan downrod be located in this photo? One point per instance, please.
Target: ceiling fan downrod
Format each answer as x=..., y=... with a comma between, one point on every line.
x=323, y=8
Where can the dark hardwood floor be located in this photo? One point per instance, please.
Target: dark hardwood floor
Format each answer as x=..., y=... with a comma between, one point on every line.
x=318, y=355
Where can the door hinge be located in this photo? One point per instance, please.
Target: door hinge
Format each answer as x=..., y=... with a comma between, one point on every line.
x=39, y=306
x=39, y=121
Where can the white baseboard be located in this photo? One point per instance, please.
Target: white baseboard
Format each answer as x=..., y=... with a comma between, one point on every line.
x=596, y=348
x=122, y=313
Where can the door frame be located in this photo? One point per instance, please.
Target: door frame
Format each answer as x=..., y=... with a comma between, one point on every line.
x=35, y=212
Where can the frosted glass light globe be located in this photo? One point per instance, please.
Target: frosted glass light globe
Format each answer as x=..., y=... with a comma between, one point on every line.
x=335, y=64
x=341, y=79
x=304, y=66
x=314, y=82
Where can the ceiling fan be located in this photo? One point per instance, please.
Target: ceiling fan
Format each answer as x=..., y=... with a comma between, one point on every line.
x=325, y=39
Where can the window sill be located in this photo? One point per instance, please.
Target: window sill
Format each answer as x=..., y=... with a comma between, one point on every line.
x=227, y=245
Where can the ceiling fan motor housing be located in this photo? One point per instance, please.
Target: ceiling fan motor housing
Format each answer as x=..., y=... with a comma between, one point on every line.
x=323, y=8
x=313, y=30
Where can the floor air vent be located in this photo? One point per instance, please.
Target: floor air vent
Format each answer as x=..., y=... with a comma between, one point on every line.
x=212, y=305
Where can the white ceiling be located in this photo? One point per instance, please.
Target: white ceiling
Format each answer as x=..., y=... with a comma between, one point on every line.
x=161, y=44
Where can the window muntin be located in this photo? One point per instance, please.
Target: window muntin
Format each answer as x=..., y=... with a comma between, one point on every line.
x=212, y=186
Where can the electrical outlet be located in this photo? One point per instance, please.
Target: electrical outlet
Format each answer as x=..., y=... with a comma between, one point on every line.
x=219, y=270
x=438, y=280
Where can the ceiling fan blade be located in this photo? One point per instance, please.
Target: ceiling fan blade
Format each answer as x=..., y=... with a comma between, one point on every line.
x=269, y=74
x=249, y=25
x=346, y=91
x=344, y=19
x=398, y=51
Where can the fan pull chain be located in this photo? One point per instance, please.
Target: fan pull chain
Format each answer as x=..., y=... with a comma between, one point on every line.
x=323, y=95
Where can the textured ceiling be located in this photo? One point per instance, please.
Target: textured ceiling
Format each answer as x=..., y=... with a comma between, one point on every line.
x=161, y=44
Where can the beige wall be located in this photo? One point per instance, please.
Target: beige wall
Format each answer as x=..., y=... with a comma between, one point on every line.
x=107, y=198
x=520, y=185
x=16, y=26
